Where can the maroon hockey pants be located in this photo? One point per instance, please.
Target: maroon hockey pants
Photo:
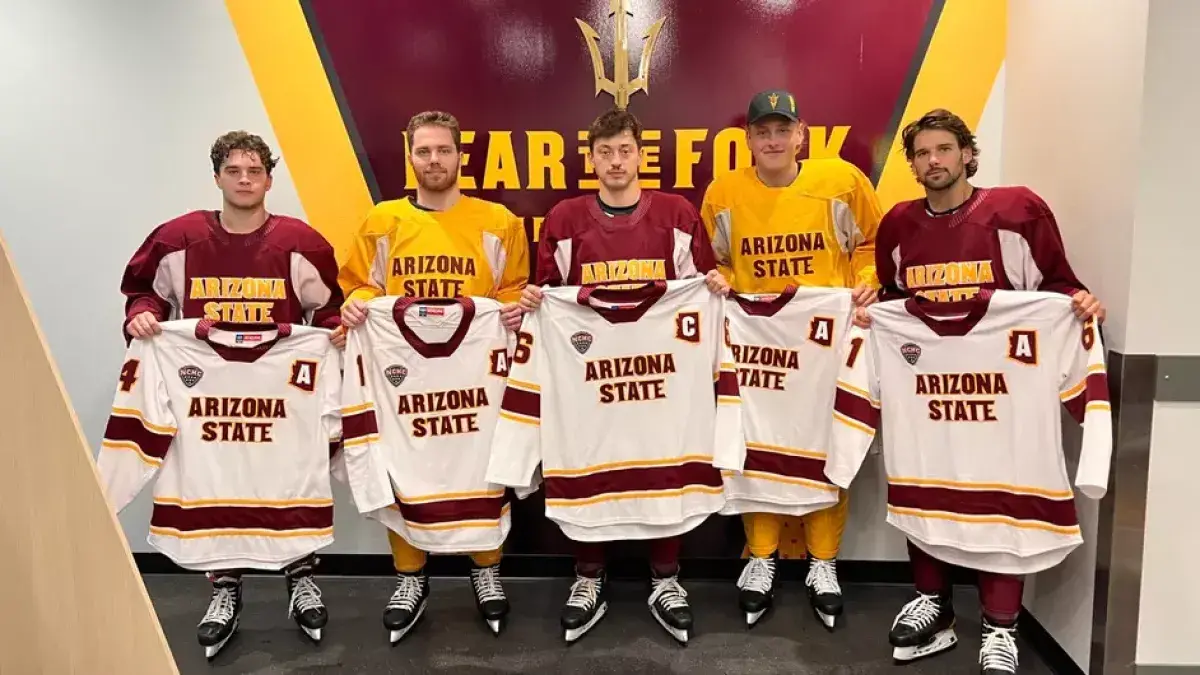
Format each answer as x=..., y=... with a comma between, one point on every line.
x=664, y=557
x=1000, y=594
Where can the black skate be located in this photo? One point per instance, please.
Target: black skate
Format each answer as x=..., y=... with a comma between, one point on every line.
x=585, y=607
x=923, y=627
x=489, y=596
x=220, y=622
x=824, y=592
x=406, y=605
x=756, y=588
x=669, y=605
x=998, y=655
x=305, y=606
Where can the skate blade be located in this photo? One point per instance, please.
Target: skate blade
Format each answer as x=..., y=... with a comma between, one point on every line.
x=495, y=625
x=753, y=617
x=679, y=634
x=939, y=643
x=314, y=634
x=398, y=635
x=573, y=634
x=829, y=620
x=211, y=651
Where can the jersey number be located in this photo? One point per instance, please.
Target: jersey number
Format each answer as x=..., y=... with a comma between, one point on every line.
x=362, y=375
x=1089, y=334
x=855, y=346
x=524, y=343
x=129, y=375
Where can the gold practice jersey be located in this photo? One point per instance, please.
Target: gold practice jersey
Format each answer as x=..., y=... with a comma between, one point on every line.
x=788, y=349
x=818, y=231
x=612, y=392
x=422, y=390
x=971, y=394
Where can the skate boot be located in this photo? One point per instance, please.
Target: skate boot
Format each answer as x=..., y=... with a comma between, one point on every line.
x=998, y=655
x=585, y=606
x=406, y=605
x=824, y=592
x=923, y=627
x=669, y=605
x=224, y=610
x=489, y=596
x=756, y=588
x=305, y=606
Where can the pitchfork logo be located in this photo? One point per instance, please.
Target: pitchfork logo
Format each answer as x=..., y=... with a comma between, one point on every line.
x=620, y=86
x=911, y=353
x=190, y=375
x=395, y=374
x=582, y=341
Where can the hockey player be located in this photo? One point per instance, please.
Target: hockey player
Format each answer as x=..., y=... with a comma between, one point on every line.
x=438, y=244
x=240, y=264
x=622, y=236
x=948, y=247
x=785, y=222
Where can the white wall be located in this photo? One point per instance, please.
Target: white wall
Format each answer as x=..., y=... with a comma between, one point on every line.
x=1071, y=110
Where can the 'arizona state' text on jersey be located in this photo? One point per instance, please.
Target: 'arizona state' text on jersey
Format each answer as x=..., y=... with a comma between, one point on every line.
x=818, y=231
x=663, y=239
x=475, y=247
x=973, y=440
x=788, y=350
x=237, y=424
x=612, y=392
x=422, y=389
x=1000, y=238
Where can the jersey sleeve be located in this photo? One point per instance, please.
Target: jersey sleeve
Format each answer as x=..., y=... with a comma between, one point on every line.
x=141, y=426
x=315, y=279
x=862, y=229
x=364, y=275
x=699, y=258
x=1085, y=395
x=516, y=443
x=362, y=457
x=516, y=260
x=548, y=272
x=855, y=409
x=718, y=228
x=885, y=266
x=730, y=443
x=1047, y=250
x=140, y=283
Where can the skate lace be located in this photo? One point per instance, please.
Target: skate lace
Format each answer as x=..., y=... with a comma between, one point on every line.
x=999, y=650
x=220, y=609
x=822, y=575
x=669, y=593
x=305, y=596
x=919, y=613
x=408, y=592
x=584, y=593
x=757, y=575
x=487, y=584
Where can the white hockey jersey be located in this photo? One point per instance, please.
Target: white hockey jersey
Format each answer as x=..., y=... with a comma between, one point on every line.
x=422, y=390
x=238, y=424
x=788, y=350
x=973, y=440
x=613, y=392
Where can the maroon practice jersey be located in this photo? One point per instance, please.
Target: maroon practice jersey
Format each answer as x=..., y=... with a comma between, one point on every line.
x=1000, y=238
x=192, y=268
x=662, y=239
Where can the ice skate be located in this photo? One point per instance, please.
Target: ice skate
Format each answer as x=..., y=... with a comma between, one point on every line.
x=489, y=596
x=923, y=627
x=305, y=606
x=824, y=591
x=220, y=622
x=669, y=605
x=406, y=605
x=756, y=588
x=998, y=653
x=585, y=607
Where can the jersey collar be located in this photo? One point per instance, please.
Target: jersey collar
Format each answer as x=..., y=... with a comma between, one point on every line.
x=966, y=313
x=644, y=296
x=434, y=350
x=249, y=353
x=765, y=307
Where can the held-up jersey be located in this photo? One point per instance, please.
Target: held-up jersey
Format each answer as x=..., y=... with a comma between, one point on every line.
x=663, y=239
x=237, y=424
x=612, y=392
x=192, y=268
x=788, y=350
x=475, y=247
x=970, y=392
x=818, y=231
x=1000, y=238
x=422, y=389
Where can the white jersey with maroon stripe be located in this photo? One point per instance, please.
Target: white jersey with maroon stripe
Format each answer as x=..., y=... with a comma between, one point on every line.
x=235, y=424
x=970, y=393
x=788, y=349
x=612, y=391
x=422, y=390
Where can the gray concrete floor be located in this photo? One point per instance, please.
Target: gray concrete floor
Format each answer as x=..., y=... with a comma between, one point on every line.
x=452, y=639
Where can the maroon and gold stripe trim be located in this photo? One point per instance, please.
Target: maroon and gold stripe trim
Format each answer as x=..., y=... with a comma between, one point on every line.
x=238, y=519
x=1002, y=506
x=1090, y=393
x=624, y=479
